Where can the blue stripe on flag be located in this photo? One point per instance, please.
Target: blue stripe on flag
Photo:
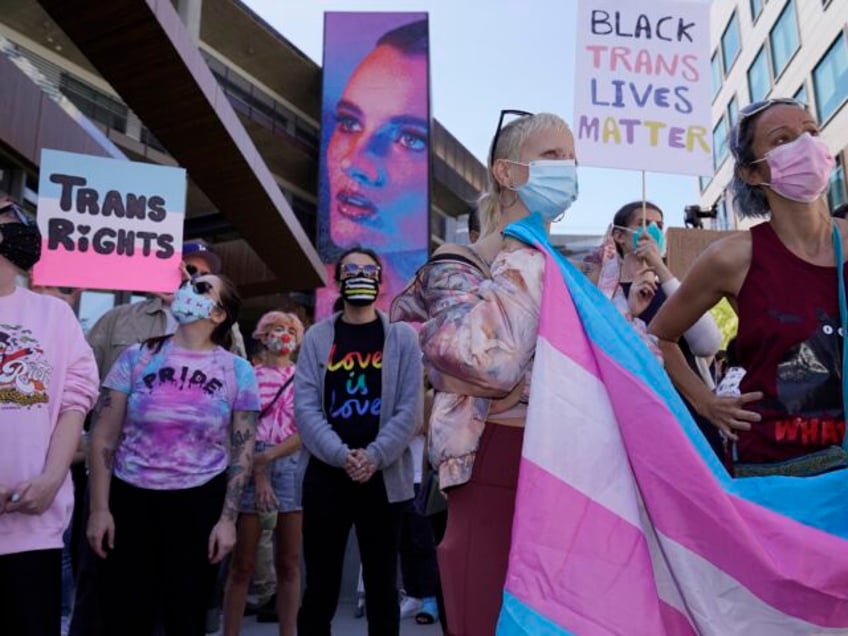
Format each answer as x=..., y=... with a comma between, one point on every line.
x=819, y=501
x=517, y=619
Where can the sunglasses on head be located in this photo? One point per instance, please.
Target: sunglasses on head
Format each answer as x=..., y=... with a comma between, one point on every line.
x=757, y=107
x=20, y=215
x=352, y=269
x=504, y=113
x=193, y=271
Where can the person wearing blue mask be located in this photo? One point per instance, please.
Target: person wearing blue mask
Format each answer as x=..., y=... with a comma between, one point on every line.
x=639, y=245
x=479, y=306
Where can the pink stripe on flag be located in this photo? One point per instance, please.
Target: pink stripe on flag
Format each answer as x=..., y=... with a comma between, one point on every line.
x=559, y=321
x=787, y=564
x=582, y=566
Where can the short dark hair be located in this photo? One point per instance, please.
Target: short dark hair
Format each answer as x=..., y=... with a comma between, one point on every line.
x=409, y=39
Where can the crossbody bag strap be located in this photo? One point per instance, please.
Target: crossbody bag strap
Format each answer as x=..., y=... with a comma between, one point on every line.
x=270, y=404
x=843, y=319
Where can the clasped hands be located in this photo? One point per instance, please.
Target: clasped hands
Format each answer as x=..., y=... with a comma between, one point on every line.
x=359, y=466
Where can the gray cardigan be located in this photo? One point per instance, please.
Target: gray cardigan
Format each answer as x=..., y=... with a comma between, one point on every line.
x=401, y=411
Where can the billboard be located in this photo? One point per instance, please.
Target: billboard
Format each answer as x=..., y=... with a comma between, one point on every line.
x=642, y=95
x=109, y=223
x=375, y=145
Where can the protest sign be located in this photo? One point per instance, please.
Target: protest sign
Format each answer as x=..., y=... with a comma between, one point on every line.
x=109, y=223
x=642, y=92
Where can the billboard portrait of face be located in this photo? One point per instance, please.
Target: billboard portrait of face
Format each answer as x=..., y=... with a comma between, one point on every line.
x=375, y=142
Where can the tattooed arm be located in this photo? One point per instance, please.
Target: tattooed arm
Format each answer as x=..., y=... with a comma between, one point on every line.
x=107, y=423
x=223, y=536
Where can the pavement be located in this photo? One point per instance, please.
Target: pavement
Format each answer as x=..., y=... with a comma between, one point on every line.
x=343, y=625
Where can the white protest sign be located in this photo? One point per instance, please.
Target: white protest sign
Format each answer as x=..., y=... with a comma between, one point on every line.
x=642, y=93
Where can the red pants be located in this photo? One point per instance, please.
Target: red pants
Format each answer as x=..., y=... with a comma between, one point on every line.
x=474, y=554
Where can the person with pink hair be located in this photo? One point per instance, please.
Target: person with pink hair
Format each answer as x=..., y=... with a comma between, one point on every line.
x=272, y=489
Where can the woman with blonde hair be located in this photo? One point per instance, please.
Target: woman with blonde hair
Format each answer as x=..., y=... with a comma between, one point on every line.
x=271, y=492
x=480, y=308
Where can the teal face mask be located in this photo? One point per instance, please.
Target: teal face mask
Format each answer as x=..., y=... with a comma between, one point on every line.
x=654, y=232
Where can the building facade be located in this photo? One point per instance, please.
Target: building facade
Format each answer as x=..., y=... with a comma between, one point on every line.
x=272, y=88
x=776, y=48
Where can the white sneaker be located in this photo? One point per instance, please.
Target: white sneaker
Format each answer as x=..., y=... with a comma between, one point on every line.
x=409, y=606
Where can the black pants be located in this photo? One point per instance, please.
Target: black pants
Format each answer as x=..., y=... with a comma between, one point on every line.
x=331, y=504
x=31, y=593
x=85, y=620
x=160, y=565
x=418, y=554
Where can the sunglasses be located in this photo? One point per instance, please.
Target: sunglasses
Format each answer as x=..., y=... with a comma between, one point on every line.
x=194, y=271
x=757, y=107
x=203, y=288
x=504, y=113
x=349, y=270
x=20, y=215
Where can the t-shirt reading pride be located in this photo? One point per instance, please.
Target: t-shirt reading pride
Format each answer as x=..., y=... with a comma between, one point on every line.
x=177, y=426
x=353, y=383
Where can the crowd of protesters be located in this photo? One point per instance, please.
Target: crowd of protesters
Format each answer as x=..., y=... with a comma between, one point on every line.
x=193, y=452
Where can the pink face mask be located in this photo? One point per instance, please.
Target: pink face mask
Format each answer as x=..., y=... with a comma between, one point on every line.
x=800, y=169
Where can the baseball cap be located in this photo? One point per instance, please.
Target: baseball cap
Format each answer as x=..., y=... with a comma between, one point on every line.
x=199, y=249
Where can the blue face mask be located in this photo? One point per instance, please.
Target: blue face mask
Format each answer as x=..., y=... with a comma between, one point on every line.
x=551, y=187
x=654, y=232
x=188, y=306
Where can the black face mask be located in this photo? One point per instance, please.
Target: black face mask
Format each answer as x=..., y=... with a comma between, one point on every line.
x=20, y=244
x=360, y=291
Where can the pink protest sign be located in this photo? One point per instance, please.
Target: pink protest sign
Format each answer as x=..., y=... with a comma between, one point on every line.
x=642, y=85
x=109, y=223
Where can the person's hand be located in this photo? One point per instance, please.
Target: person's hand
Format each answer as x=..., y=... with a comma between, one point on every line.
x=266, y=499
x=221, y=540
x=642, y=291
x=100, y=531
x=648, y=251
x=360, y=467
x=728, y=413
x=33, y=497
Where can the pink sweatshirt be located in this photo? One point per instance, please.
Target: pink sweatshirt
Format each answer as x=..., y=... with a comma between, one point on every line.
x=46, y=368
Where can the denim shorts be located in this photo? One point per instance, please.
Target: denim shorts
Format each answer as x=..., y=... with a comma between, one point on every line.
x=283, y=478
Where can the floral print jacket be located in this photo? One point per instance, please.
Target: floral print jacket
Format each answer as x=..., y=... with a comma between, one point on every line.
x=478, y=339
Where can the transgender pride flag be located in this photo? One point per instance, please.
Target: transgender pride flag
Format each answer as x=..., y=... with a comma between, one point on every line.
x=625, y=521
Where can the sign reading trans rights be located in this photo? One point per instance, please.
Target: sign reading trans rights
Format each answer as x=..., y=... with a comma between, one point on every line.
x=642, y=98
x=109, y=223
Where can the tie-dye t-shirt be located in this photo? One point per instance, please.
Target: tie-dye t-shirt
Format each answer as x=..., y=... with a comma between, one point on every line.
x=177, y=425
x=278, y=422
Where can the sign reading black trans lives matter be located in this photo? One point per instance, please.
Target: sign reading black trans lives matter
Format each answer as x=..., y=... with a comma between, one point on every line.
x=642, y=94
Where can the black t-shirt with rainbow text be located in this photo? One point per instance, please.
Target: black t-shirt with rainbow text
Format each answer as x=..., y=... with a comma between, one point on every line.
x=353, y=383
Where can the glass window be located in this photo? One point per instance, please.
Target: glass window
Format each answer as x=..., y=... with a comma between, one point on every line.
x=733, y=111
x=756, y=9
x=836, y=194
x=830, y=79
x=715, y=67
x=730, y=42
x=720, y=142
x=759, y=82
x=801, y=94
x=784, y=38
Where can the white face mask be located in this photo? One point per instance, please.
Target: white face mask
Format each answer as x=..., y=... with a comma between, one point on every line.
x=551, y=187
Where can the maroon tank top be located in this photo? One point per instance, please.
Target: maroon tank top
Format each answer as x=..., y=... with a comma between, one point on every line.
x=789, y=342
